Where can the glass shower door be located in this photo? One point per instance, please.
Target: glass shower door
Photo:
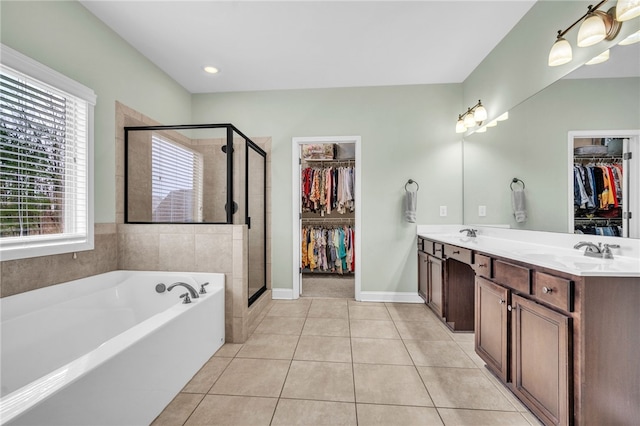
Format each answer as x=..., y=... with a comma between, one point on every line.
x=256, y=214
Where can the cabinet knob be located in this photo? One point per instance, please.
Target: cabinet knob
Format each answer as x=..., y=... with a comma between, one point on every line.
x=482, y=265
x=502, y=302
x=547, y=290
x=456, y=252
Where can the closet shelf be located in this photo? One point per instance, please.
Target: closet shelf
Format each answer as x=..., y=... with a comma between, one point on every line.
x=321, y=272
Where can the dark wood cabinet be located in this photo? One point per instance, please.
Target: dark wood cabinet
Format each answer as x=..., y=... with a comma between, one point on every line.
x=423, y=276
x=541, y=361
x=445, y=282
x=492, y=325
x=566, y=345
x=435, y=298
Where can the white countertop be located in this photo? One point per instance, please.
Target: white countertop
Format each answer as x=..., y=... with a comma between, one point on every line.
x=546, y=249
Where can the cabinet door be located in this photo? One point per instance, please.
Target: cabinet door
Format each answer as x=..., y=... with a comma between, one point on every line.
x=491, y=325
x=436, y=291
x=541, y=360
x=423, y=276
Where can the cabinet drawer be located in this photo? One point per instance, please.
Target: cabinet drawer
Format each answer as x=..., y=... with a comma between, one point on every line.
x=513, y=276
x=438, y=250
x=482, y=265
x=553, y=290
x=458, y=253
x=420, y=244
x=427, y=246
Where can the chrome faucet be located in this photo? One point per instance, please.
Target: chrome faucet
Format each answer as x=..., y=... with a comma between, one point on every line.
x=602, y=251
x=470, y=232
x=192, y=291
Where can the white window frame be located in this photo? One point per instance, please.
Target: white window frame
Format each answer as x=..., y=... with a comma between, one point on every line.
x=83, y=239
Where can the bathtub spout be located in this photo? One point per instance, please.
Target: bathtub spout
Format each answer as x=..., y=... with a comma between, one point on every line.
x=192, y=291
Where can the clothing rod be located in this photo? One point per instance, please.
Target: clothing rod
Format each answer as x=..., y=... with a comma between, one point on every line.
x=328, y=220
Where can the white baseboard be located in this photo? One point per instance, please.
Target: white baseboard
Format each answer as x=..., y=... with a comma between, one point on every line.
x=389, y=296
x=282, y=293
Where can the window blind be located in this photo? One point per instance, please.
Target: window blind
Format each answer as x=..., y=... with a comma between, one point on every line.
x=176, y=174
x=43, y=166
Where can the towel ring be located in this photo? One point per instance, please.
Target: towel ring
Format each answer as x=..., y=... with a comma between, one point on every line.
x=409, y=182
x=516, y=180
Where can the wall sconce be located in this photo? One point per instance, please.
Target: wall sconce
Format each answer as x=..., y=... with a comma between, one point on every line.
x=596, y=26
x=474, y=116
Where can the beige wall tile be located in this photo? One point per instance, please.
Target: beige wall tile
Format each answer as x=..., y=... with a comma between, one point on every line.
x=176, y=252
x=23, y=275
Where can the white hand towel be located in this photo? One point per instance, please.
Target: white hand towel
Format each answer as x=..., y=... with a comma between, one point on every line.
x=518, y=204
x=410, y=204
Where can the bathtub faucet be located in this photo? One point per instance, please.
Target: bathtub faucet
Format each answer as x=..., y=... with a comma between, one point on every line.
x=192, y=291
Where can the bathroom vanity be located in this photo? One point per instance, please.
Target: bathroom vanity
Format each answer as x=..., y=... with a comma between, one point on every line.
x=560, y=329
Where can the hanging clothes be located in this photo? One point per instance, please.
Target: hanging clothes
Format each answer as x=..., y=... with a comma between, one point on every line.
x=324, y=190
x=328, y=249
x=597, y=186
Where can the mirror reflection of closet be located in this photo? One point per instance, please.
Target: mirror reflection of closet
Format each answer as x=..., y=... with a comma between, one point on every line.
x=605, y=183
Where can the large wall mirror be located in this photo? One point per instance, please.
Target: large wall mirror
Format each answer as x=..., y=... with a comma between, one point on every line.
x=533, y=146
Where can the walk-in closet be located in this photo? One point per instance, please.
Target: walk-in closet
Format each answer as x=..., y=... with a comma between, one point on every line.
x=605, y=186
x=327, y=207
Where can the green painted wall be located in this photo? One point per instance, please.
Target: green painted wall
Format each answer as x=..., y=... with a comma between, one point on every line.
x=517, y=67
x=407, y=132
x=533, y=146
x=65, y=36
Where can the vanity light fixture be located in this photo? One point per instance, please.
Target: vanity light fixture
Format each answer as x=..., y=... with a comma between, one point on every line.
x=211, y=70
x=474, y=116
x=603, y=57
x=596, y=26
x=627, y=9
x=493, y=123
x=482, y=129
x=633, y=38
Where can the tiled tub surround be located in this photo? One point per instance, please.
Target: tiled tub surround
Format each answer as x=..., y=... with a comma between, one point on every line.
x=18, y=276
x=74, y=351
x=197, y=248
x=338, y=361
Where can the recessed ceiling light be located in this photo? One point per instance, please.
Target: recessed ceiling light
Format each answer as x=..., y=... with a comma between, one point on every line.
x=212, y=70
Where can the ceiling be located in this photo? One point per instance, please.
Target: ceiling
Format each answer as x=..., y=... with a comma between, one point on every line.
x=266, y=45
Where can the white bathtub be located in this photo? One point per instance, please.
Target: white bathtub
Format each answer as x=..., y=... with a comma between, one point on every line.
x=106, y=349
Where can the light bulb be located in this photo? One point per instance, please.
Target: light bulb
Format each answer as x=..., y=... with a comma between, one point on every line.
x=603, y=57
x=469, y=121
x=212, y=70
x=633, y=38
x=560, y=53
x=627, y=9
x=591, y=31
x=460, y=127
x=480, y=114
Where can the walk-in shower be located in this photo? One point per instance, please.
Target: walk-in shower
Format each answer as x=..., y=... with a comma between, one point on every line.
x=195, y=174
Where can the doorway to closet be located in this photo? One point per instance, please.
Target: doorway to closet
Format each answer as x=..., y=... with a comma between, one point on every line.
x=604, y=173
x=326, y=217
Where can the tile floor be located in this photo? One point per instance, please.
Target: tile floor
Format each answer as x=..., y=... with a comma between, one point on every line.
x=340, y=362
